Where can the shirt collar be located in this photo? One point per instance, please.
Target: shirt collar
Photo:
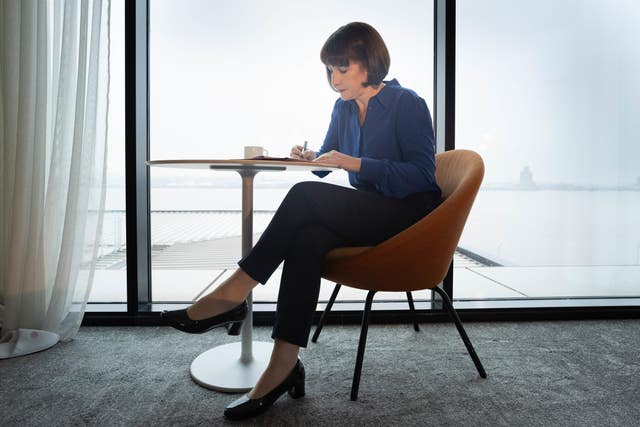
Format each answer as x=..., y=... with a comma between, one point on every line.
x=384, y=96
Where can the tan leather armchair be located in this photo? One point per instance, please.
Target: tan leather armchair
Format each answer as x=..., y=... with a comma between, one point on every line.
x=417, y=258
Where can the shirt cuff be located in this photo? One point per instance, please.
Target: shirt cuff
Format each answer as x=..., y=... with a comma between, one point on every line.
x=371, y=170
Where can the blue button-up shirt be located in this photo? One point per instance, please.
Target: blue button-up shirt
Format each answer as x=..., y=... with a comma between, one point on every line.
x=396, y=143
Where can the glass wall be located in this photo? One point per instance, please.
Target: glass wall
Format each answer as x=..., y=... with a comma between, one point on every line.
x=110, y=281
x=547, y=92
x=228, y=74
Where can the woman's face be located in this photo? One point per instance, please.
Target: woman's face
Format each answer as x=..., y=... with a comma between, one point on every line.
x=348, y=80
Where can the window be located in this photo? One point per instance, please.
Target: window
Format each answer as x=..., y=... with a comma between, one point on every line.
x=228, y=74
x=547, y=93
x=110, y=280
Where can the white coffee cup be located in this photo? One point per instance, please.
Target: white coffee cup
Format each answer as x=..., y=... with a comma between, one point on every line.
x=251, y=151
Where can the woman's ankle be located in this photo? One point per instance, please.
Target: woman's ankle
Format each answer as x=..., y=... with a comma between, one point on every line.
x=284, y=353
x=282, y=362
x=235, y=288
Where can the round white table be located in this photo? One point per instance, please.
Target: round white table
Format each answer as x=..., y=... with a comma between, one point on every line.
x=236, y=367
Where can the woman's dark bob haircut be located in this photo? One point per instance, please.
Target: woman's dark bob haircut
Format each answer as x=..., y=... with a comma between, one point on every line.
x=361, y=43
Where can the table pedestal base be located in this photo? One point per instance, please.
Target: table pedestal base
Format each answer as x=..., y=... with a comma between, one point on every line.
x=221, y=369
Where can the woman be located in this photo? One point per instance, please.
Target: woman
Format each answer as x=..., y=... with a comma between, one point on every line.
x=381, y=134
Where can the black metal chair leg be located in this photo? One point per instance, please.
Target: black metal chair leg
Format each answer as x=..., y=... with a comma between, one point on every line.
x=361, y=345
x=461, y=331
x=327, y=309
x=413, y=312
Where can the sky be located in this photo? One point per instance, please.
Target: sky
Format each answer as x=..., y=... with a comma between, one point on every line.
x=552, y=85
x=249, y=73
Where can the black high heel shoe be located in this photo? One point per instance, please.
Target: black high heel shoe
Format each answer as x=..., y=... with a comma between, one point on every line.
x=232, y=319
x=246, y=408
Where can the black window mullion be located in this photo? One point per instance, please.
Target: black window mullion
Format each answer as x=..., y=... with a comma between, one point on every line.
x=136, y=154
x=445, y=90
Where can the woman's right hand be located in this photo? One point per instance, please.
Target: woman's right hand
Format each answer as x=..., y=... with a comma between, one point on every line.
x=297, y=153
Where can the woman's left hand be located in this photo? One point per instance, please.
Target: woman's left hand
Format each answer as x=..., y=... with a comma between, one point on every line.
x=336, y=158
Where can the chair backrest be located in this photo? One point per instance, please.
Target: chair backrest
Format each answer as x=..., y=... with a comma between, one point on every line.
x=418, y=257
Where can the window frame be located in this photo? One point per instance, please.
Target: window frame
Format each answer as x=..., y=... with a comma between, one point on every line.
x=140, y=309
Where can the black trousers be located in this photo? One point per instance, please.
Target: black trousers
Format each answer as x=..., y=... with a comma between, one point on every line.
x=314, y=218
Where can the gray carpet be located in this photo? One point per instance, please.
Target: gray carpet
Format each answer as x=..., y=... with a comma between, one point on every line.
x=539, y=374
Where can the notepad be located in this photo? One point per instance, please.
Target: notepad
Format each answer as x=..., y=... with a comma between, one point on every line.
x=281, y=159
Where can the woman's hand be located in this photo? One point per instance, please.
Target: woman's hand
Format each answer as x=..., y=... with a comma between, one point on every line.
x=336, y=158
x=297, y=153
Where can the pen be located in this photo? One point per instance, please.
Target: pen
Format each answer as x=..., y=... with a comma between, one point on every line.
x=304, y=147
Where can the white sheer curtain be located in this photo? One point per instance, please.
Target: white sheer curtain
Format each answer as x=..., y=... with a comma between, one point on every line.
x=54, y=82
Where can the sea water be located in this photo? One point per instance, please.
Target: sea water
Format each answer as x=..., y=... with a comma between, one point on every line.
x=509, y=227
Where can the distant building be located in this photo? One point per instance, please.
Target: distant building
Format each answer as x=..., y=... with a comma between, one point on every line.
x=526, y=179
